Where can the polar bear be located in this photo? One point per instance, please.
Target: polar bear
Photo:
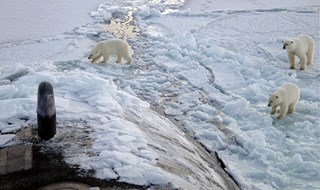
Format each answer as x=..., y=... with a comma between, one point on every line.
x=111, y=47
x=301, y=46
x=286, y=97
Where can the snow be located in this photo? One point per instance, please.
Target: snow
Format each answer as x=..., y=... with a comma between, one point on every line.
x=243, y=5
x=210, y=66
x=5, y=139
x=59, y=17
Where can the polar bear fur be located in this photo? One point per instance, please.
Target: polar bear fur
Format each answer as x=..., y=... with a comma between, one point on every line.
x=286, y=97
x=302, y=47
x=111, y=47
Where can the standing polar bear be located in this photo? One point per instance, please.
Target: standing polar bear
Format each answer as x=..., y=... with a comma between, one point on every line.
x=286, y=97
x=111, y=47
x=301, y=46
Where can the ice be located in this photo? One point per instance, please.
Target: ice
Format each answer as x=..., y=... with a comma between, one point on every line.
x=106, y=173
x=243, y=76
x=10, y=129
x=147, y=13
x=64, y=15
x=131, y=175
x=237, y=107
x=107, y=10
x=15, y=75
x=209, y=66
x=243, y=5
x=5, y=139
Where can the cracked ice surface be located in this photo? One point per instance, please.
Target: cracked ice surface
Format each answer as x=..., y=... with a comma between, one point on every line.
x=209, y=65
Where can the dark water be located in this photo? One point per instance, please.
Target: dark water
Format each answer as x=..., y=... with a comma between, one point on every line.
x=124, y=28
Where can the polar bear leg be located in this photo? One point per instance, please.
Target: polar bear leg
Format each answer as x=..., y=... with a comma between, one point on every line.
x=105, y=58
x=274, y=109
x=310, y=54
x=96, y=59
x=128, y=58
x=283, y=111
x=303, y=61
x=291, y=59
x=119, y=59
x=292, y=107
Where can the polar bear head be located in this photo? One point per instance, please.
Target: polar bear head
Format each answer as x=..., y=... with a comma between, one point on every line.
x=275, y=99
x=95, y=52
x=289, y=45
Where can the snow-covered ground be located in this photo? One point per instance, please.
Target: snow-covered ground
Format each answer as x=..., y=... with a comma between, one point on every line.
x=209, y=65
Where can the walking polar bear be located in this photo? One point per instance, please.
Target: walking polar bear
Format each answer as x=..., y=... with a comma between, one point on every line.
x=286, y=97
x=111, y=47
x=301, y=46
